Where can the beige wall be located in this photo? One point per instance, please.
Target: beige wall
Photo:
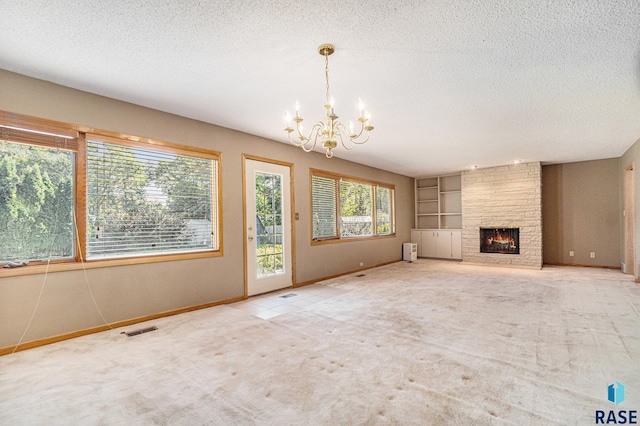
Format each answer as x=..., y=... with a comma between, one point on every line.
x=127, y=292
x=581, y=213
x=631, y=158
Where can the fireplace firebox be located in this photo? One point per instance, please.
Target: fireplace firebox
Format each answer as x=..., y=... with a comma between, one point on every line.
x=500, y=240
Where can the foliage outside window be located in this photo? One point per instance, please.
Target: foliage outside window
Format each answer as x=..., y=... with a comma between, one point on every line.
x=344, y=207
x=36, y=203
x=66, y=196
x=384, y=210
x=356, y=209
x=270, y=256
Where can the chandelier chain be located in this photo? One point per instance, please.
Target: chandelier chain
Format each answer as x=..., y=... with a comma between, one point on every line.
x=326, y=72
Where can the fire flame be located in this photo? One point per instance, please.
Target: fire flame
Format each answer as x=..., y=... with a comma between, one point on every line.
x=500, y=238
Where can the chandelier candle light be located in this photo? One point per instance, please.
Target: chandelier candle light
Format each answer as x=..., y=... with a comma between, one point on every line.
x=331, y=131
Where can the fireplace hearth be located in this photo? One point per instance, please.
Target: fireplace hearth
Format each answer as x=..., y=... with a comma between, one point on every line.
x=500, y=240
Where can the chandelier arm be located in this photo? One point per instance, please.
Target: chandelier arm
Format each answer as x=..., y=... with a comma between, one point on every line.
x=361, y=130
x=302, y=137
x=365, y=140
x=301, y=140
x=315, y=134
x=355, y=139
x=307, y=143
x=300, y=144
x=342, y=135
x=315, y=129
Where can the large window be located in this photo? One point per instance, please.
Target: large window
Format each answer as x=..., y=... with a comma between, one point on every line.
x=36, y=196
x=67, y=196
x=347, y=208
x=148, y=201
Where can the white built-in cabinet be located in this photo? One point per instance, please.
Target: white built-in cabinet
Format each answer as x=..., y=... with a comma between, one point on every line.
x=440, y=243
x=438, y=220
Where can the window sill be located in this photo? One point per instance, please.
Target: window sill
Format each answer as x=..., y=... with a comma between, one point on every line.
x=350, y=239
x=61, y=266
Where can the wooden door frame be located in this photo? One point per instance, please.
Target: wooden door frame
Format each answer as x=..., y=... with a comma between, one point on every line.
x=246, y=157
x=629, y=218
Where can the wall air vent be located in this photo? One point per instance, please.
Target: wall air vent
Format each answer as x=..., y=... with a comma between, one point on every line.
x=141, y=331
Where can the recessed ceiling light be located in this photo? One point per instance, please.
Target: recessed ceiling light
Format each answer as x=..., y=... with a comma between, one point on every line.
x=516, y=161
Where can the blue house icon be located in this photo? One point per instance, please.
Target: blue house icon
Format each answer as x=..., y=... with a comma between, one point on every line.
x=616, y=393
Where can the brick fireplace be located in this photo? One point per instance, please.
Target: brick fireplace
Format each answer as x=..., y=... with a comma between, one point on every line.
x=501, y=198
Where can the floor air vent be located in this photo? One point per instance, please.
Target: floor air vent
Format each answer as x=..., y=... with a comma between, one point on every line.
x=141, y=331
x=286, y=296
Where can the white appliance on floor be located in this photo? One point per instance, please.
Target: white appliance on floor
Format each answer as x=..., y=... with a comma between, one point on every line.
x=409, y=252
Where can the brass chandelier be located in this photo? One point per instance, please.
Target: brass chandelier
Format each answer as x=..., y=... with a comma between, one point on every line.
x=332, y=130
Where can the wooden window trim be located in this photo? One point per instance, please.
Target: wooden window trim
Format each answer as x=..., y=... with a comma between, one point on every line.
x=80, y=205
x=337, y=177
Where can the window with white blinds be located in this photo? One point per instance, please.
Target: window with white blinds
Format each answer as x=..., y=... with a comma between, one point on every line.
x=344, y=207
x=67, y=195
x=143, y=201
x=323, y=198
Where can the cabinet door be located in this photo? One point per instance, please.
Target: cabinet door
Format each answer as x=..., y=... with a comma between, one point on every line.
x=443, y=244
x=416, y=238
x=429, y=244
x=456, y=244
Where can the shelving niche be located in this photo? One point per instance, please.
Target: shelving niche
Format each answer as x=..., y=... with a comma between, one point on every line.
x=438, y=220
x=438, y=202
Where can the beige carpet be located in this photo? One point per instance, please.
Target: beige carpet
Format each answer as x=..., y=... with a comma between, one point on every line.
x=429, y=342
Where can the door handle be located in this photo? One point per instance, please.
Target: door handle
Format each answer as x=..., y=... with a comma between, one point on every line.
x=250, y=237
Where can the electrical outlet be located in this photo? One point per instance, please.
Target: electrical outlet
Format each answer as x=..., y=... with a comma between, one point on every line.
x=571, y=253
x=593, y=254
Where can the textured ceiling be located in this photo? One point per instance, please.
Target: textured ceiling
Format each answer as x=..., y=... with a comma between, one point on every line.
x=449, y=84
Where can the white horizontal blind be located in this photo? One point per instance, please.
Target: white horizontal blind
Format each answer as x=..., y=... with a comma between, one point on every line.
x=323, y=196
x=143, y=201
